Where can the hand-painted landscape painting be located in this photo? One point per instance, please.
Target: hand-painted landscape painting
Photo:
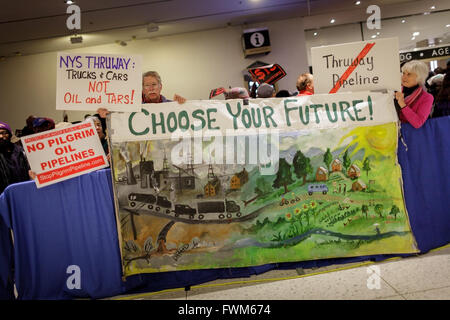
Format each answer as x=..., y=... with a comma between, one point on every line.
x=336, y=193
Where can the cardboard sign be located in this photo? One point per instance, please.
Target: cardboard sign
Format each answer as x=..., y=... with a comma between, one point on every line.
x=91, y=81
x=268, y=74
x=357, y=66
x=60, y=154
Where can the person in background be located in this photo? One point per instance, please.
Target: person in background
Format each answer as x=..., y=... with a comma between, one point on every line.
x=305, y=84
x=283, y=94
x=43, y=124
x=414, y=103
x=265, y=90
x=100, y=132
x=13, y=162
x=442, y=103
x=151, y=93
x=151, y=89
x=28, y=129
x=236, y=93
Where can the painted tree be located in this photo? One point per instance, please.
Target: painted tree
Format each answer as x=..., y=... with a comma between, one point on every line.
x=284, y=175
x=346, y=161
x=327, y=158
x=366, y=166
x=302, y=166
x=365, y=209
x=379, y=209
x=262, y=187
x=394, y=211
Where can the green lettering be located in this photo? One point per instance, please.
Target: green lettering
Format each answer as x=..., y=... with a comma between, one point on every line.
x=315, y=107
x=130, y=125
x=327, y=108
x=345, y=110
x=195, y=116
x=287, y=110
x=268, y=116
x=246, y=118
x=172, y=116
x=304, y=119
x=161, y=123
x=355, y=103
x=183, y=115
x=211, y=120
x=235, y=116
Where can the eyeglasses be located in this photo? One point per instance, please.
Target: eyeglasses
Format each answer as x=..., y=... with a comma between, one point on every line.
x=151, y=85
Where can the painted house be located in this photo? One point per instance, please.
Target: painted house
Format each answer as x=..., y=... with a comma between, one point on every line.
x=353, y=172
x=238, y=180
x=359, y=185
x=212, y=188
x=336, y=165
x=321, y=174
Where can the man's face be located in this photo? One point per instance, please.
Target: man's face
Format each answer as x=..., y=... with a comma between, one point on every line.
x=4, y=135
x=99, y=128
x=151, y=89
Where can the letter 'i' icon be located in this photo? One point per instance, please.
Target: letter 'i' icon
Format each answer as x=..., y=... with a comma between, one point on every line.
x=257, y=39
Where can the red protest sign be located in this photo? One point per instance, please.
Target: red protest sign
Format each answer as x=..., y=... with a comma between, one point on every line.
x=268, y=74
x=61, y=154
x=216, y=92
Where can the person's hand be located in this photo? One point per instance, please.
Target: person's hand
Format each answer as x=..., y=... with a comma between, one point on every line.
x=400, y=99
x=102, y=112
x=179, y=99
x=32, y=174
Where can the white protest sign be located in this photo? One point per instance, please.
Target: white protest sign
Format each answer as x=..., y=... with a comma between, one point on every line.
x=61, y=154
x=357, y=66
x=90, y=81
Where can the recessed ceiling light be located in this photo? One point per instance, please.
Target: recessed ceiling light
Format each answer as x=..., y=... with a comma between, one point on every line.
x=403, y=20
x=447, y=25
x=374, y=36
x=413, y=38
x=426, y=13
x=357, y=3
x=315, y=33
x=332, y=20
x=432, y=7
x=69, y=2
x=416, y=33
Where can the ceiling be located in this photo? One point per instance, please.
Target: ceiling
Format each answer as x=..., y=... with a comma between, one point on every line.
x=29, y=27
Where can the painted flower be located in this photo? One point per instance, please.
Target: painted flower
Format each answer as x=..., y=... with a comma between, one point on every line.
x=305, y=206
x=288, y=216
x=313, y=204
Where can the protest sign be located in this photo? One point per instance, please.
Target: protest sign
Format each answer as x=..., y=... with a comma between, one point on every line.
x=61, y=154
x=268, y=74
x=91, y=81
x=357, y=66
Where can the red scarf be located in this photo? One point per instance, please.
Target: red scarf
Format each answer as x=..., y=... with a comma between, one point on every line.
x=413, y=96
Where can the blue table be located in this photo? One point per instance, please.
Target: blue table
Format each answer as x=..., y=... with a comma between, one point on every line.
x=66, y=241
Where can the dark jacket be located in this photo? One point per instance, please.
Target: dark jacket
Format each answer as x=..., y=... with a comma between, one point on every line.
x=13, y=167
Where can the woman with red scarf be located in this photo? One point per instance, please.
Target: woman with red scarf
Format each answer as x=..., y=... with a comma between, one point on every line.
x=414, y=103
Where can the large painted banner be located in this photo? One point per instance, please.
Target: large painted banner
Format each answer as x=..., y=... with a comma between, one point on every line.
x=213, y=184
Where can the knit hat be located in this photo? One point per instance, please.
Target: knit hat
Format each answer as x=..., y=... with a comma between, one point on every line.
x=265, y=90
x=4, y=125
x=37, y=122
x=236, y=93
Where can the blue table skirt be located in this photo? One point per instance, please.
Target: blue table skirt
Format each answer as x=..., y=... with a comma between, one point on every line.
x=66, y=243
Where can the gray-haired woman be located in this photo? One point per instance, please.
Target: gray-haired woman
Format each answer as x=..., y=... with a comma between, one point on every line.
x=414, y=102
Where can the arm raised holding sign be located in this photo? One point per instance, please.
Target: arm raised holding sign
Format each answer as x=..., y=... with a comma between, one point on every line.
x=414, y=103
